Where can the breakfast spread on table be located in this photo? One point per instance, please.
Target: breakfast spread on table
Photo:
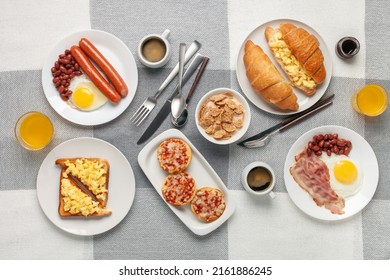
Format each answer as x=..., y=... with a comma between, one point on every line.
x=93, y=173
x=284, y=63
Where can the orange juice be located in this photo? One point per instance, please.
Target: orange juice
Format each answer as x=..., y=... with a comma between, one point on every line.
x=371, y=100
x=34, y=130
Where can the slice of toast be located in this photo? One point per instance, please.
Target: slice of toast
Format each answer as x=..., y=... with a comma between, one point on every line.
x=94, y=174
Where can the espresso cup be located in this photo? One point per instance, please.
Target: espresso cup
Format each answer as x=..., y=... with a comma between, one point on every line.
x=258, y=178
x=154, y=50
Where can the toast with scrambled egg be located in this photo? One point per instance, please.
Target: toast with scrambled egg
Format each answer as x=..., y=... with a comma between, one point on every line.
x=298, y=53
x=94, y=174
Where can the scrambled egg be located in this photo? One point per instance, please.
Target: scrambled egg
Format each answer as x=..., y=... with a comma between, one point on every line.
x=75, y=201
x=91, y=174
x=291, y=64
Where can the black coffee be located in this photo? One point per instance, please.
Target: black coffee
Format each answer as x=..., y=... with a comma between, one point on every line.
x=259, y=179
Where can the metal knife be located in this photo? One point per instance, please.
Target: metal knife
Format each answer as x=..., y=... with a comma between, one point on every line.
x=82, y=187
x=286, y=121
x=166, y=109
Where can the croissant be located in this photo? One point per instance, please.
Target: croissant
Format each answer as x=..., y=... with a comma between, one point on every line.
x=298, y=53
x=266, y=80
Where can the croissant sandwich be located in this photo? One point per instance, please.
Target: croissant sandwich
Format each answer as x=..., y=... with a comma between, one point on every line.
x=93, y=173
x=298, y=53
x=266, y=80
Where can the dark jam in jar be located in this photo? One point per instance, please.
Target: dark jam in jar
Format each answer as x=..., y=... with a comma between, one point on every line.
x=259, y=179
x=347, y=47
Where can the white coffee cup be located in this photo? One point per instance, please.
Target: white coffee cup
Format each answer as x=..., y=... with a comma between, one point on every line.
x=150, y=50
x=260, y=172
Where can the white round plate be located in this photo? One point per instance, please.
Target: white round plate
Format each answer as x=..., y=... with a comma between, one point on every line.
x=117, y=53
x=258, y=37
x=121, y=185
x=361, y=153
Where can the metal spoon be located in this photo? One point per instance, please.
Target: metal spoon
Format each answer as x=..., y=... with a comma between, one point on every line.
x=178, y=101
x=182, y=119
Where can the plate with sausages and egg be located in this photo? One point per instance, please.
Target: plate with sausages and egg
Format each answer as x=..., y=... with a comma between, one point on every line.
x=90, y=77
x=331, y=173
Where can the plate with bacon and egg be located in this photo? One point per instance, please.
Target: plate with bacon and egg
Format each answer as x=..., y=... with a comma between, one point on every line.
x=331, y=173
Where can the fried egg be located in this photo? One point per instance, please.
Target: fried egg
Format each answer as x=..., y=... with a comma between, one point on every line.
x=346, y=177
x=86, y=96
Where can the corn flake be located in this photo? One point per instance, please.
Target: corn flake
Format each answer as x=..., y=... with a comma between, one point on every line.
x=221, y=116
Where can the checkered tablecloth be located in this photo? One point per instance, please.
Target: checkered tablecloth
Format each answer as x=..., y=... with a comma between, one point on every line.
x=259, y=228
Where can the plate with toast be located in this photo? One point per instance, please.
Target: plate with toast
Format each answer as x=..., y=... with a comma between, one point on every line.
x=85, y=186
x=186, y=182
x=284, y=67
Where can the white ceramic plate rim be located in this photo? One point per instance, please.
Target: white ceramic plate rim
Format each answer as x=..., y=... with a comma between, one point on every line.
x=361, y=152
x=257, y=36
x=121, y=185
x=119, y=56
x=201, y=171
x=247, y=119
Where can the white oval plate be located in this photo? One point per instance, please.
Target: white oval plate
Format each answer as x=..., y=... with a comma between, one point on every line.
x=200, y=170
x=121, y=185
x=116, y=52
x=361, y=152
x=258, y=37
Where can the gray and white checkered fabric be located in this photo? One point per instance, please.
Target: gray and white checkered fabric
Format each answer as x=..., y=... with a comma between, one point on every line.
x=259, y=228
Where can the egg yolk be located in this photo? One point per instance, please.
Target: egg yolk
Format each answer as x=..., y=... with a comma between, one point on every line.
x=83, y=97
x=345, y=171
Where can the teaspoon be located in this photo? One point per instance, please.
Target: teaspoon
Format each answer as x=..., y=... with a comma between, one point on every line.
x=182, y=119
x=178, y=101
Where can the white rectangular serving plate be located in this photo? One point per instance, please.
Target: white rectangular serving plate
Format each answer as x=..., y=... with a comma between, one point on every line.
x=199, y=169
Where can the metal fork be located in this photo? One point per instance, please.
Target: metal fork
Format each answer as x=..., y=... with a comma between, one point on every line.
x=257, y=143
x=148, y=105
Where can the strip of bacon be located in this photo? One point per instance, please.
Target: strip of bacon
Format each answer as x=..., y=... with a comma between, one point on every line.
x=312, y=175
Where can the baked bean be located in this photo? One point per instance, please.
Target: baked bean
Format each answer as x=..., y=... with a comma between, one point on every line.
x=328, y=143
x=63, y=72
x=341, y=142
x=61, y=89
x=77, y=73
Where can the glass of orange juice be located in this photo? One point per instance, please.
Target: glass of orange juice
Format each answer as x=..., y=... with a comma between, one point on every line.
x=34, y=130
x=371, y=100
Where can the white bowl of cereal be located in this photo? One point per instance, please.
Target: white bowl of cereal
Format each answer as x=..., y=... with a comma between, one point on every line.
x=222, y=116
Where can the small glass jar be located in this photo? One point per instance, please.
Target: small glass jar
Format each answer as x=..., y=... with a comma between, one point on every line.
x=347, y=47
